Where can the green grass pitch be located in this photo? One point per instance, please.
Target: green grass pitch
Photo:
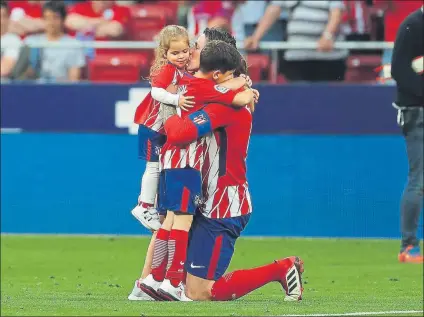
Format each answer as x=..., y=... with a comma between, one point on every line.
x=86, y=276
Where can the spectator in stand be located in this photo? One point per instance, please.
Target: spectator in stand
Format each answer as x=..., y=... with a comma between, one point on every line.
x=396, y=11
x=10, y=43
x=55, y=64
x=227, y=15
x=357, y=20
x=25, y=17
x=253, y=11
x=357, y=23
x=210, y=14
x=309, y=21
x=102, y=20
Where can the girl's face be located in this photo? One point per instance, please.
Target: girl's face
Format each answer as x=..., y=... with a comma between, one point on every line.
x=178, y=53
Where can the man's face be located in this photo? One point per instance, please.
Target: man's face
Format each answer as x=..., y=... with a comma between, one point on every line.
x=195, y=53
x=54, y=22
x=4, y=20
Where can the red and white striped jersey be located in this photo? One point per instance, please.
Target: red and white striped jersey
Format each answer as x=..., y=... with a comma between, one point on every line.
x=224, y=184
x=223, y=157
x=204, y=91
x=150, y=112
x=357, y=17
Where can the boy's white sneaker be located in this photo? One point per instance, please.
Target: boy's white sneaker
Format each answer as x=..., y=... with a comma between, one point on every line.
x=172, y=293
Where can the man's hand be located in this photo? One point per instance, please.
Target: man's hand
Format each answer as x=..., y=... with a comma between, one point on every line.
x=325, y=44
x=251, y=43
x=255, y=95
x=248, y=80
x=185, y=103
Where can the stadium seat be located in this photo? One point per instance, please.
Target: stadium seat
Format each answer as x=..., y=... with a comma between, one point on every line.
x=258, y=66
x=159, y=8
x=361, y=68
x=122, y=67
x=145, y=29
x=146, y=21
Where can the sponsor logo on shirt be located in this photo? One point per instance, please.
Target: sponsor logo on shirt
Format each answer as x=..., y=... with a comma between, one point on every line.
x=221, y=89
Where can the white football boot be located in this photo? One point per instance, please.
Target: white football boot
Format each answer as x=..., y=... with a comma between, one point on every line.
x=171, y=293
x=150, y=286
x=148, y=217
x=138, y=294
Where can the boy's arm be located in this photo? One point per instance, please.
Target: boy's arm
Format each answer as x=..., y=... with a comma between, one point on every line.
x=243, y=98
x=234, y=84
x=225, y=96
x=186, y=130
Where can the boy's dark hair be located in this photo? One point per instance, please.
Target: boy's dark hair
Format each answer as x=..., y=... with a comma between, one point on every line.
x=219, y=34
x=219, y=55
x=57, y=7
x=3, y=4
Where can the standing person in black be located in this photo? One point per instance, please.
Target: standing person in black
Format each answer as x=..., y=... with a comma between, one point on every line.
x=410, y=102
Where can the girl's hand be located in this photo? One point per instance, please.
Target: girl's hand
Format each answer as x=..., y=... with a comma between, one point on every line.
x=185, y=102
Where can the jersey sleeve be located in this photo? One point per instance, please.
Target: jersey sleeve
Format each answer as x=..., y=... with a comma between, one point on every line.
x=78, y=8
x=121, y=15
x=217, y=94
x=164, y=77
x=213, y=116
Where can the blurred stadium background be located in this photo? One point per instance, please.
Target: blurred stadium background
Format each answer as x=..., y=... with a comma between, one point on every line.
x=326, y=157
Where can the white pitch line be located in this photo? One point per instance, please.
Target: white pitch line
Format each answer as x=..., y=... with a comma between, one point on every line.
x=393, y=312
x=10, y=130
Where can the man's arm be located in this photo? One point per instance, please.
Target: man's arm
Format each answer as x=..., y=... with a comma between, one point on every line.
x=406, y=78
x=326, y=42
x=186, y=130
x=7, y=64
x=10, y=58
x=111, y=29
x=26, y=25
x=77, y=22
x=271, y=15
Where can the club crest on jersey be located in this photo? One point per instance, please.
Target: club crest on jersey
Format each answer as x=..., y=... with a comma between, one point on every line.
x=221, y=89
x=200, y=119
x=198, y=201
x=157, y=150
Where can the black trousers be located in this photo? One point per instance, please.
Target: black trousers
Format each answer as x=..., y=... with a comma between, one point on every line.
x=411, y=121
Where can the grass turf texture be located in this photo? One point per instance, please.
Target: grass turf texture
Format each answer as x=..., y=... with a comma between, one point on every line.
x=71, y=276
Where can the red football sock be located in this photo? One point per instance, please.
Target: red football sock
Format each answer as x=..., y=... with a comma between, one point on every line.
x=160, y=255
x=239, y=283
x=177, y=248
x=145, y=205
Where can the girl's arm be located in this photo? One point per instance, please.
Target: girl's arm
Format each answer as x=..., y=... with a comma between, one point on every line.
x=177, y=100
x=164, y=96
